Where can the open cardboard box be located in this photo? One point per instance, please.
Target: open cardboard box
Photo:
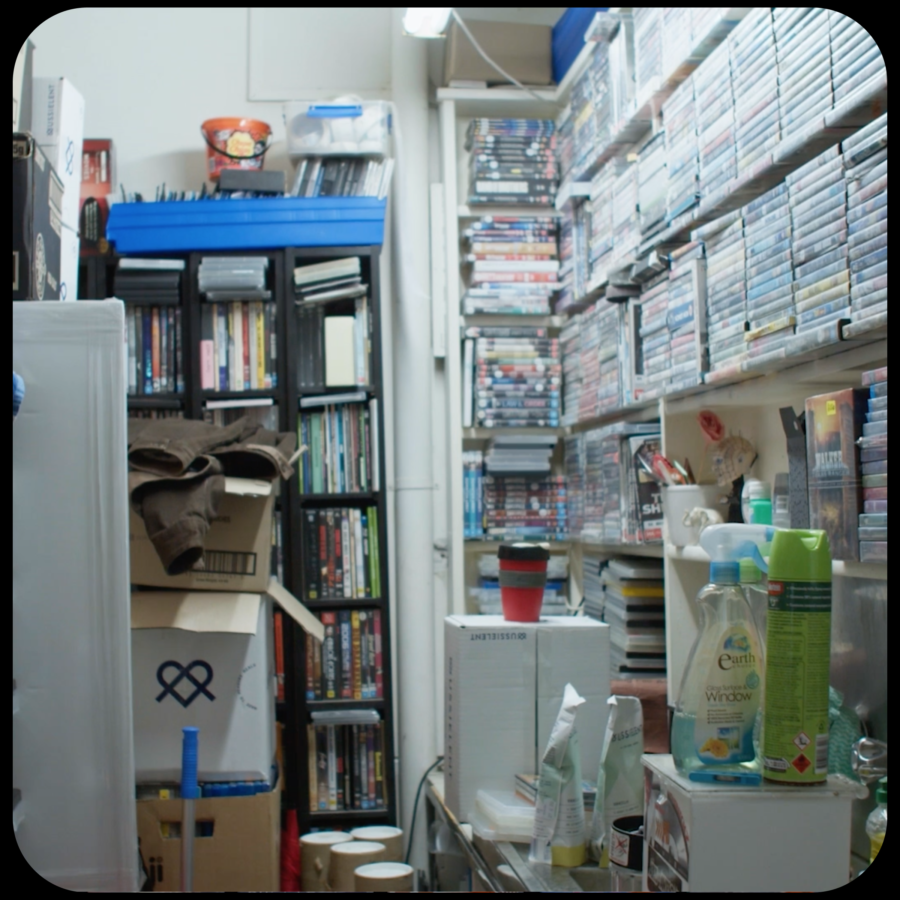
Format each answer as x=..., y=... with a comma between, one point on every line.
x=237, y=549
x=206, y=659
x=241, y=854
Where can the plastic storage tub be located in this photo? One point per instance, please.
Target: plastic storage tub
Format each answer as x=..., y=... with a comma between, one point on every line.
x=338, y=129
x=503, y=816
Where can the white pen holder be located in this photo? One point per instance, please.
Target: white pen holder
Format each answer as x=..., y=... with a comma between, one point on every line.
x=679, y=499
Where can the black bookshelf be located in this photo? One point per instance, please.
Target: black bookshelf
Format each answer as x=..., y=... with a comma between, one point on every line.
x=307, y=819
x=96, y=281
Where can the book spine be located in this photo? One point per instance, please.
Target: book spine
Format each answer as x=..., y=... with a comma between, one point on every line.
x=357, y=794
x=322, y=766
x=316, y=448
x=338, y=554
x=267, y=344
x=253, y=344
x=311, y=557
x=351, y=556
x=311, y=768
x=310, y=671
x=346, y=655
x=367, y=590
x=221, y=338
x=317, y=669
x=234, y=344
x=245, y=346
x=148, y=349
x=331, y=588
x=332, y=769
x=358, y=347
x=339, y=764
x=163, y=350
x=370, y=632
x=179, y=352
x=346, y=559
x=356, y=659
x=360, y=560
x=328, y=654
x=260, y=320
x=375, y=550
x=154, y=350
x=273, y=344
x=139, y=350
x=364, y=655
x=279, y=654
x=170, y=313
x=323, y=583
x=348, y=767
x=379, y=666
x=130, y=312
x=370, y=768
x=363, y=769
x=378, y=742
x=207, y=348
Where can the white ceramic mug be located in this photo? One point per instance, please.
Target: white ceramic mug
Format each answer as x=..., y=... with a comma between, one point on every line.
x=390, y=836
x=384, y=876
x=315, y=852
x=347, y=858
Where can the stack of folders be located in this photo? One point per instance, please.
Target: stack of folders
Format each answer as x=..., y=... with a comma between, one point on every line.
x=347, y=665
x=238, y=336
x=342, y=177
x=634, y=609
x=514, y=266
x=511, y=377
x=151, y=289
x=346, y=767
x=865, y=162
x=512, y=162
x=334, y=324
x=818, y=202
x=341, y=553
x=874, y=462
x=473, y=496
x=855, y=57
x=340, y=432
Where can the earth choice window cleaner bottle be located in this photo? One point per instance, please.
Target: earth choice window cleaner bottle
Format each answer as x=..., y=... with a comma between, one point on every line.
x=716, y=714
x=798, y=658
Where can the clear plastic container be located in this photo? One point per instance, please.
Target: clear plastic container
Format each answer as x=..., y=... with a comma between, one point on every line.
x=503, y=816
x=343, y=128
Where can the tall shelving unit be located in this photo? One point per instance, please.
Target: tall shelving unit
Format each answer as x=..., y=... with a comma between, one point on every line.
x=96, y=278
x=748, y=401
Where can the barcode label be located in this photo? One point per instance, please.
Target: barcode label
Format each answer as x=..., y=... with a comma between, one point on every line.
x=821, y=753
x=227, y=562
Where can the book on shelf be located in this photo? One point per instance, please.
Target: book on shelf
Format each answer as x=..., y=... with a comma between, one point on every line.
x=263, y=410
x=340, y=438
x=238, y=346
x=346, y=767
x=154, y=348
x=334, y=350
x=351, y=667
x=342, y=553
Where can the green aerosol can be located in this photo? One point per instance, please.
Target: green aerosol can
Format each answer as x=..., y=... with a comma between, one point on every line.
x=798, y=658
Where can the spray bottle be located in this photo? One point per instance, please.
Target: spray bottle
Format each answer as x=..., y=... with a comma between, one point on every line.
x=716, y=714
x=798, y=658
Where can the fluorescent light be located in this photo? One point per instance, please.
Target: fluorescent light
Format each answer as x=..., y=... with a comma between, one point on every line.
x=426, y=22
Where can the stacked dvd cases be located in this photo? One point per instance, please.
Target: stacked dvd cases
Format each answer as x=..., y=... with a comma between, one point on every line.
x=804, y=65
x=609, y=328
x=473, y=493
x=648, y=51
x=652, y=186
x=589, y=363
x=874, y=463
x=818, y=200
x=677, y=37
x=855, y=57
x=512, y=162
x=682, y=160
x=603, y=235
x=513, y=263
x=626, y=223
x=715, y=121
x=517, y=377
x=754, y=72
x=686, y=318
x=574, y=451
x=570, y=348
x=865, y=168
x=726, y=291
x=633, y=605
x=653, y=334
x=522, y=507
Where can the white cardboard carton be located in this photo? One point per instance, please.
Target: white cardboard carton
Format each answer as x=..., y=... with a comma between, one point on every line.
x=57, y=123
x=504, y=683
x=714, y=837
x=206, y=659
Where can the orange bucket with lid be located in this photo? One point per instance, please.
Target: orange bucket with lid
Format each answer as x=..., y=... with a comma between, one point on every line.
x=234, y=143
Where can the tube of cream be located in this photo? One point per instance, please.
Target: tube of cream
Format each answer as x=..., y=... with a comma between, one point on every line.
x=620, y=781
x=559, y=828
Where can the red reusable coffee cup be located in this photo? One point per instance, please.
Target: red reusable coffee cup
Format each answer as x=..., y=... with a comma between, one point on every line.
x=523, y=575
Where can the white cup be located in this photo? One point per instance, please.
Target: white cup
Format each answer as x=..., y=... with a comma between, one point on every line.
x=391, y=837
x=679, y=499
x=384, y=876
x=315, y=852
x=347, y=858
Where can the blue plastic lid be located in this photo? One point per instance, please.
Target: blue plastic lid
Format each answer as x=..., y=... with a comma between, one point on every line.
x=728, y=572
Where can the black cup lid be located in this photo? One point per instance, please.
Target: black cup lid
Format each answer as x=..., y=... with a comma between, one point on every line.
x=523, y=551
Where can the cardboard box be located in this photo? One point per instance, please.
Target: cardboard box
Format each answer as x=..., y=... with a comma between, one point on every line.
x=98, y=180
x=241, y=854
x=237, y=550
x=504, y=684
x=37, y=224
x=833, y=425
x=522, y=50
x=58, y=127
x=719, y=838
x=206, y=659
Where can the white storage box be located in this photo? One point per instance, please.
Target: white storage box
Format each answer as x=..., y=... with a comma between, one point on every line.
x=503, y=687
x=206, y=659
x=338, y=129
x=720, y=838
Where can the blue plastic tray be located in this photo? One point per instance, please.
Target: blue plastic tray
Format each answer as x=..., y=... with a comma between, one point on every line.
x=244, y=224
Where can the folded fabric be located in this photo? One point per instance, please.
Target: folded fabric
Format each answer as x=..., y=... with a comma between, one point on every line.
x=177, y=477
x=18, y=393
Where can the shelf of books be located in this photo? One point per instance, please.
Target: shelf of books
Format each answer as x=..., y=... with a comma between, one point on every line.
x=338, y=510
